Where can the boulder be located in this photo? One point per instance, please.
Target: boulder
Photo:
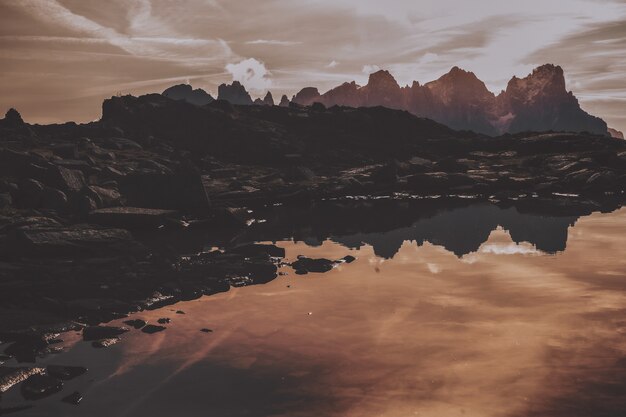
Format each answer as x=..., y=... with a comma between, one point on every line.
x=305, y=265
x=51, y=198
x=91, y=333
x=104, y=197
x=30, y=193
x=40, y=386
x=67, y=180
x=65, y=373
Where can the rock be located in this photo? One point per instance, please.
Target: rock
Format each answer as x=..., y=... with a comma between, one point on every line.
x=67, y=180
x=5, y=200
x=151, y=329
x=180, y=312
x=102, y=332
x=130, y=217
x=306, y=96
x=614, y=133
x=40, y=386
x=51, y=198
x=185, y=92
x=30, y=193
x=348, y=259
x=284, y=101
x=74, y=398
x=104, y=197
x=182, y=191
x=164, y=320
x=234, y=93
x=268, y=100
x=74, y=241
x=136, y=323
x=65, y=373
x=206, y=330
x=304, y=265
x=9, y=377
x=12, y=119
x=105, y=343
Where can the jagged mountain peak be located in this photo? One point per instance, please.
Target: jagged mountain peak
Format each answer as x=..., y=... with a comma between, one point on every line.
x=382, y=78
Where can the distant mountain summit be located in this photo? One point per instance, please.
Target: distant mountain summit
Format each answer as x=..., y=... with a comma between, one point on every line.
x=185, y=92
x=459, y=99
x=235, y=93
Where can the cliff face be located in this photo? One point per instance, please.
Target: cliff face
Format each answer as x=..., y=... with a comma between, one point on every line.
x=538, y=102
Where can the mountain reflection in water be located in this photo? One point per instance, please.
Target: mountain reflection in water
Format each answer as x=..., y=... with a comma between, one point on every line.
x=442, y=314
x=457, y=225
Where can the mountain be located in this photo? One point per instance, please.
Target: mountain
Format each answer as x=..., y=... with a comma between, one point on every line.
x=616, y=133
x=458, y=99
x=185, y=92
x=234, y=93
x=541, y=102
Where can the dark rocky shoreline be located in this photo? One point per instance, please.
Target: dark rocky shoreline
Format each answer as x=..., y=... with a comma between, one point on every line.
x=124, y=214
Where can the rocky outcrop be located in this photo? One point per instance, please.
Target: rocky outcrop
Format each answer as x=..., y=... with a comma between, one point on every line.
x=616, y=133
x=284, y=101
x=185, y=92
x=268, y=100
x=234, y=93
x=307, y=96
x=458, y=99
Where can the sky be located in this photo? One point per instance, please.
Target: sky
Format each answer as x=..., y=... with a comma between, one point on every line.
x=60, y=58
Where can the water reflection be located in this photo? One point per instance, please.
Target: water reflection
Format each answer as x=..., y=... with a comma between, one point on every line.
x=433, y=327
x=460, y=226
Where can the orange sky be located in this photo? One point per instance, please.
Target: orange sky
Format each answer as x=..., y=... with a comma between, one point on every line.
x=61, y=58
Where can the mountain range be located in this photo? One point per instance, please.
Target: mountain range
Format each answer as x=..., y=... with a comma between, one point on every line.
x=458, y=99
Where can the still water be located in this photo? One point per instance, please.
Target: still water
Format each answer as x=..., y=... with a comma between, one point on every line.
x=474, y=311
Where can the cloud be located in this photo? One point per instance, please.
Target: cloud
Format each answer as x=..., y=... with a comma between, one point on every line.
x=272, y=42
x=252, y=73
x=368, y=69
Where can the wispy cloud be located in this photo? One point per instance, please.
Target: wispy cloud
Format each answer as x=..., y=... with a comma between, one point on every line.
x=272, y=42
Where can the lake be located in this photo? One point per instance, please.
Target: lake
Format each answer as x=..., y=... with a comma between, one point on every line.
x=472, y=310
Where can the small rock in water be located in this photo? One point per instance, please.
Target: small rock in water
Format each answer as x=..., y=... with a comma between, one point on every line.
x=105, y=343
x=180, y=312
x=65, y=373
x=137, y=323
x=102, y=332
x=74, y=398
x=305, y=265
x=151, y=329
x=206, y=330
x=40, y=386
x=164, y=320
x=349, y=259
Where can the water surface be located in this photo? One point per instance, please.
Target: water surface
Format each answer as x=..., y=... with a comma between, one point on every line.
x=464, y=313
